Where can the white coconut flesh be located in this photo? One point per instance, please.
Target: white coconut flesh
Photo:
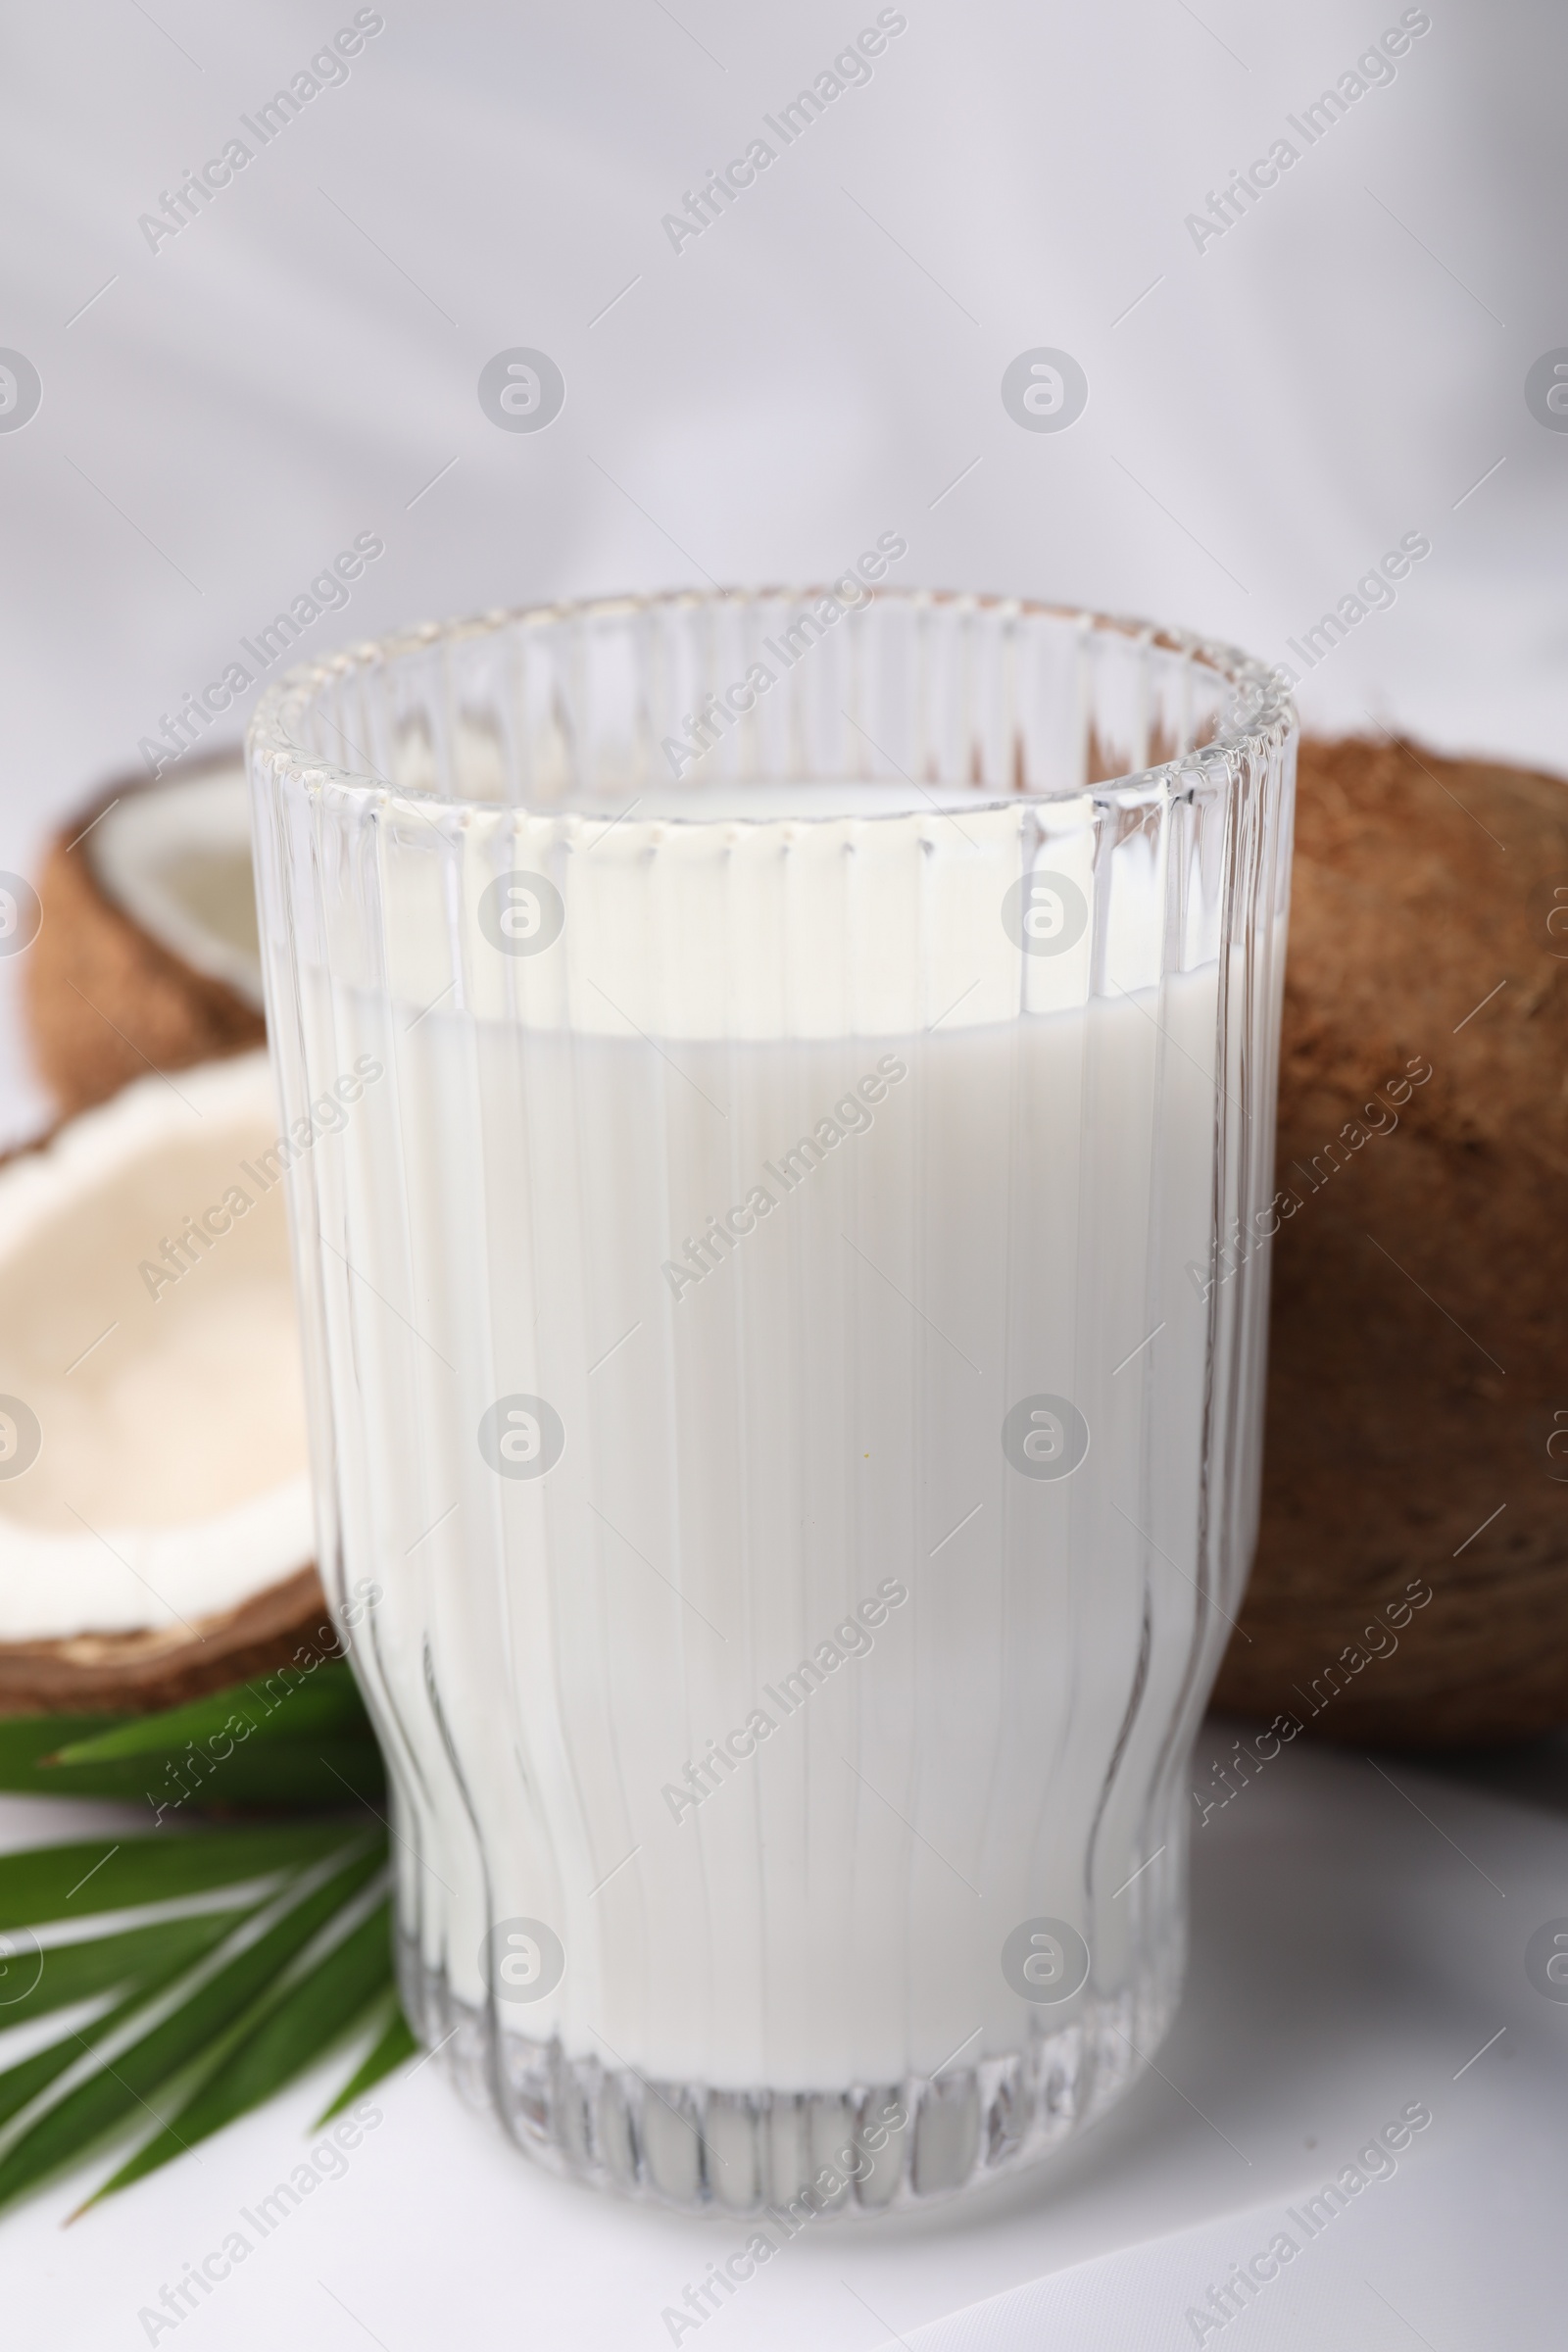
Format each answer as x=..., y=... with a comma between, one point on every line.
x=169, y=1482
x=175, y=858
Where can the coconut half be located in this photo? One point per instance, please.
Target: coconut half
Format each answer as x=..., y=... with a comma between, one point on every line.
x=147, y=957
x=156, y=1528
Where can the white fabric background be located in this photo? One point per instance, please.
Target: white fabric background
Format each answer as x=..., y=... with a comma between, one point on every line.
x=1342, y=368
x=1336, y=370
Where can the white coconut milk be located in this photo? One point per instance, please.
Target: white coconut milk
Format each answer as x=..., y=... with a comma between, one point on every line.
x=639, y=1408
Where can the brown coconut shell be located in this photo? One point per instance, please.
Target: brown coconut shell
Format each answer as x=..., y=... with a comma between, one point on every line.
x=1418, y=1378
x=141, y=1673
x=137, y=1674
x=104, y=1001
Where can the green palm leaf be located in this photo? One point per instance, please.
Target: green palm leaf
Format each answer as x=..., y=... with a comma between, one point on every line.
x=110, y=1876
x=327, y=1703
x=207, y=1743
x=26, y=1739
x=293, y=1741
x=75, y=1972
x=232, y=2027
x=20, y=2085
x=111, y=2095
x=273, y=2045
x=182, y=1942
x=394, y=2044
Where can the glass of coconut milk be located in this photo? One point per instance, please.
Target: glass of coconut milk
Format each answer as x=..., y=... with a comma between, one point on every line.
x=785, y=1345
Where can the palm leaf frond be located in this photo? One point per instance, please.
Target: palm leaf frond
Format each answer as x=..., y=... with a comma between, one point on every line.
x=276, y=2046
x=214, y=2007
x=115, y=2091
x=393, y=2046
x=51, y=1883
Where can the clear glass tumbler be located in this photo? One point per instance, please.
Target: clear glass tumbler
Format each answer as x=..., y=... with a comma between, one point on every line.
x=783, y=1087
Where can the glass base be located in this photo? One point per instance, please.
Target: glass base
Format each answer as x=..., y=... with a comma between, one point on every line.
x=799, y=2155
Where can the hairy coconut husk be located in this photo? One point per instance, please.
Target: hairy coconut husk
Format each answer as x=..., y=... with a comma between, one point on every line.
x=106, y=1002
x=1417, y=1419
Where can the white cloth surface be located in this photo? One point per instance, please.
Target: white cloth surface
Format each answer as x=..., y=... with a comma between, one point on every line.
x=1266, y=415
x=1355, y=1943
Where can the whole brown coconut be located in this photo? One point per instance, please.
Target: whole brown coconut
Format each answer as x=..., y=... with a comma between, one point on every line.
x=108, y=998
x=1417, y=1422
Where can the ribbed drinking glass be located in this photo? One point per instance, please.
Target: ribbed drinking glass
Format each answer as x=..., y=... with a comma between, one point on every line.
x=781, y=1089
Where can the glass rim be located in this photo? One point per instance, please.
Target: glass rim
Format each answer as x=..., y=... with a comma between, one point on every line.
x=1259, y=713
